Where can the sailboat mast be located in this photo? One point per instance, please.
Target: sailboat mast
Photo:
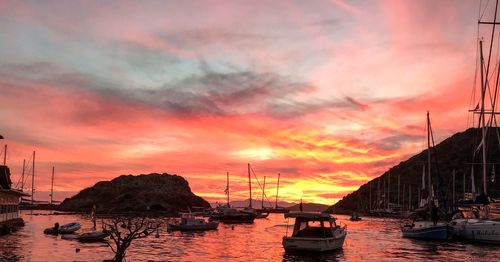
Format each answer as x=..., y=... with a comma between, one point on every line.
x=263, y=193
x=277, y=191
x=370, y=205
x=429, y=157
x=378, y=193
x=52, y=186
x=409, y=198
x=454, y=186
x=399, y=187
x=33, y=180
x=249, y=186
x=227, y=188
x=388, y=190
x=5, y=155
x=482, y=118
x=22, y=175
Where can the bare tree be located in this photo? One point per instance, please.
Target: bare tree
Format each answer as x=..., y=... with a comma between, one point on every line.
x=123, y=230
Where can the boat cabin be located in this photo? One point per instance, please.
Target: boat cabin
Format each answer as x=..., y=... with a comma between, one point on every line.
x=312, y=224
x=9, y=198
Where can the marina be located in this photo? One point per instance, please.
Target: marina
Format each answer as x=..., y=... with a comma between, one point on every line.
x=375, y=239
x=122, y=133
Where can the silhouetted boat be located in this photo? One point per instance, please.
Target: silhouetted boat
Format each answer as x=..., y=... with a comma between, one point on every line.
x=228, y=215
x=93, y=236
x=69, y=228
x=190, y=223
x=427, y=229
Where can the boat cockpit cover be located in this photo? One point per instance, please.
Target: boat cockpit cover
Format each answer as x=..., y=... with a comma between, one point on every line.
x=311, y=216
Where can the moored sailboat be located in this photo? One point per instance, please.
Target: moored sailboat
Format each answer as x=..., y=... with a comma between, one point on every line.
x=473, y=222
x=429, y=229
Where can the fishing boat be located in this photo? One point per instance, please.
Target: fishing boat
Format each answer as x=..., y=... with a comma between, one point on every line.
x=427, y=229
x=316, y=232
x=190, y=223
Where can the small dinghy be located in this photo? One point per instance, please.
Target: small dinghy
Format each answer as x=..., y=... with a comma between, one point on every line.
x=69, y=228
x=64, y=229
x=93, y=236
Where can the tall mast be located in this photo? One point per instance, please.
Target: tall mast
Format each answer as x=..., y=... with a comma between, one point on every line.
x=399, y=187
x=409, y=198
x=429, y=188
x=388, y=189
x=481, y=116
x=33, y=180
x=402, y=206
x=378, y=193
x=463, y=185
x=370, y=205
x=227, y=188
x=277, y=191
x=5, y=155
x=249, y=186
x=22, y=175
x=52, y=187
x=263, y=193
x=453, y=203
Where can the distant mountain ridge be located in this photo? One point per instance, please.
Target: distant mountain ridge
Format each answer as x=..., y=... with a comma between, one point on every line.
x=309, y=207
x=453, y=153
x=154, y=192
x=255, y=203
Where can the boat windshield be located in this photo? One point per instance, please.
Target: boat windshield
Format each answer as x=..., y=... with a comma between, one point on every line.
x=310, y=228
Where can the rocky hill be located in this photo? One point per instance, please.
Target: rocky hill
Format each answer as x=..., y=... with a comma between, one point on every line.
x=143, y=193
x=454, y=153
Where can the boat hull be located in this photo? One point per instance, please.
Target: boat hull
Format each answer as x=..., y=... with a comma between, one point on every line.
x=312, y=244
x=438, y=232
x=477, y=230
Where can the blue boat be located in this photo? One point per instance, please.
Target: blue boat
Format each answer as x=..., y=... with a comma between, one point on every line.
x=426, y=230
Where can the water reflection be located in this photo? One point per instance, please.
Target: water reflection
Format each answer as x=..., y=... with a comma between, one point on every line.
x=370, y=239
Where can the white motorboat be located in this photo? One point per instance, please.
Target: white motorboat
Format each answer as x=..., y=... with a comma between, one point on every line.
x=190, y=223
x=315, y=232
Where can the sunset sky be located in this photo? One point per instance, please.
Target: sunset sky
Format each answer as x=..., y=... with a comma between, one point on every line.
x=328, y=93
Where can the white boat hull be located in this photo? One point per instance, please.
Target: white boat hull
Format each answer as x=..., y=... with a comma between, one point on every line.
x=313, y=244
x=477, y=230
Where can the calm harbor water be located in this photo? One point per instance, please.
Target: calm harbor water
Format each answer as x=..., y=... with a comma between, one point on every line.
x=375, y=239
